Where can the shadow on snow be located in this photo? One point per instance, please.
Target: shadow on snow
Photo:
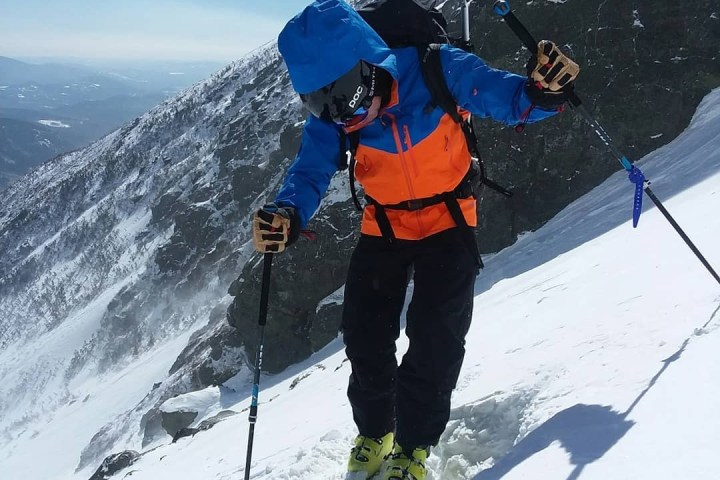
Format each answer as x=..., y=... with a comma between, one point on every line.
x=586, y=432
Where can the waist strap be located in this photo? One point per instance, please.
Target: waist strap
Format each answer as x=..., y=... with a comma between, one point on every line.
x=420, y=203
x=450, y=199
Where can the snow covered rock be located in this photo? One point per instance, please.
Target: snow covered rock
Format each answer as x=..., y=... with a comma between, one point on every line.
x=114, y=463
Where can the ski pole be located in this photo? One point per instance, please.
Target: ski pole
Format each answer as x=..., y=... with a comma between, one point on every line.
x=466, y=22
x=252, y=418
x=502, y=8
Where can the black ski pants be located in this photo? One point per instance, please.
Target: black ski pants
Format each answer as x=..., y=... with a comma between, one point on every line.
x=412, y=399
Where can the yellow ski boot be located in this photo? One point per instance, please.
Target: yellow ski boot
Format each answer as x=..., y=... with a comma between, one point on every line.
x=407, y=465
x=367, y=456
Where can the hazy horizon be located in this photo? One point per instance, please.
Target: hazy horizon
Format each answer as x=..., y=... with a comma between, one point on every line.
x=152, y=63
x=182, y=30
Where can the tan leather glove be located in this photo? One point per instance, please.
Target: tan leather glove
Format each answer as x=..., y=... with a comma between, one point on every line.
x=552, y=69
x=274, y=228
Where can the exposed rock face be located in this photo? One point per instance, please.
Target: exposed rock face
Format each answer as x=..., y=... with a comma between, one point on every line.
x=302, y=277
x=173, y=422
x=645, y=65
x=114, y=463
x=204, y=425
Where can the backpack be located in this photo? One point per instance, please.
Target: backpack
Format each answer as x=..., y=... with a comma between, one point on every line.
x=405, y=23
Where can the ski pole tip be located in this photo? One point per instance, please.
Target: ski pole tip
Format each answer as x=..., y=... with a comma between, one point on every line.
x=501, y=7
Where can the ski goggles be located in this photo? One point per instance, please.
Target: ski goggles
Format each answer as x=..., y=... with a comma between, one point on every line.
x=347, y=99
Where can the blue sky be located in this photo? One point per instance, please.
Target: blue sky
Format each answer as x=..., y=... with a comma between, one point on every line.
x=141, y=29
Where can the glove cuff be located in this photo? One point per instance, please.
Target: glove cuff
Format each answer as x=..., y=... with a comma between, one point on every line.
x=543, y=97
x=294, y=232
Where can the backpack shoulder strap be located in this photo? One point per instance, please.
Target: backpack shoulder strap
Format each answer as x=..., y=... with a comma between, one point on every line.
x=354, y=138
x=432, y=72
x=349, y=142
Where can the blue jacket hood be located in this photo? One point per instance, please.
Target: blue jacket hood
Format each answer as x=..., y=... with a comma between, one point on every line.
x=325, y=41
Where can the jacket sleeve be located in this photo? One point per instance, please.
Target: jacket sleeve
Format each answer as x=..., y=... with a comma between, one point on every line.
x=309, y=175
x=488, y=92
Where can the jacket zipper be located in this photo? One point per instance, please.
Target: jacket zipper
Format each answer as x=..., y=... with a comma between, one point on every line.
x=401, y=155
x=403, y=163
x=409, y=145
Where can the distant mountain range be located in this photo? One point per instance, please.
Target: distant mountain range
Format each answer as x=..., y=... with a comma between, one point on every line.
x=51, y=108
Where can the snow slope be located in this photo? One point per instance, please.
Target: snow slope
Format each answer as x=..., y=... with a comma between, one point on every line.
x=592, y=355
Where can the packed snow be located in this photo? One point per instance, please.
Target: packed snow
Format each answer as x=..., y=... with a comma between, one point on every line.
x=592, y=355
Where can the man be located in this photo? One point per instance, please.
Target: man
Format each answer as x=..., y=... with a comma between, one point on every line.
x=413, y=162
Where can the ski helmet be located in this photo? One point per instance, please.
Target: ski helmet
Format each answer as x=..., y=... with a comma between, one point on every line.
x=340, y=100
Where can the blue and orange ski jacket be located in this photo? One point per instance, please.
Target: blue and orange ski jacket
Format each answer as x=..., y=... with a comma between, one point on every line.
x=408, y=152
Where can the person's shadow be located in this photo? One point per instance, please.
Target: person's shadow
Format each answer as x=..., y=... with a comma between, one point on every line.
x=586, y=432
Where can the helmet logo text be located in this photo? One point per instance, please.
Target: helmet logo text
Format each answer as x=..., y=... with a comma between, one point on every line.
x=356, y=97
